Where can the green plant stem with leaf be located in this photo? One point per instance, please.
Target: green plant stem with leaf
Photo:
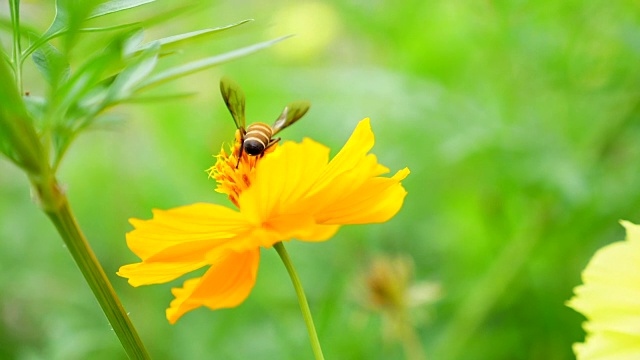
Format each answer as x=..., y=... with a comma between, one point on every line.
x=53, y=201
x=36, y=137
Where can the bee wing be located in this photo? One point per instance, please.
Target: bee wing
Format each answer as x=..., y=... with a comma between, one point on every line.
x=234, y=98
x=291, y=113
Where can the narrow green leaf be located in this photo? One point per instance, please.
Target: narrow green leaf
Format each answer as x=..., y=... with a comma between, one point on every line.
x=114, y=6
x=60, y=22
x=157, y=98
x=172, y=42
x=132, y=42
x=110, y=28
x=97, y=72
x=52, y=64
x=83, y=82
x=36, y=107
x=37, y=42
x=109, y=122
x=199, y=65
x=124, y=84
x=17, y=134
x=58, y=26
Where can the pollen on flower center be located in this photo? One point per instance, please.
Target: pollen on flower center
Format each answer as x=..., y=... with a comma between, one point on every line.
x=233, y=177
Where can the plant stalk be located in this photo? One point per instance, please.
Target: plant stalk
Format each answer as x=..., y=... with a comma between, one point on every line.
x=14, y=6
x=302, y=299
x=55, y=204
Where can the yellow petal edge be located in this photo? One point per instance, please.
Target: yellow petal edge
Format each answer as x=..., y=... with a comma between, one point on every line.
x=610, y=300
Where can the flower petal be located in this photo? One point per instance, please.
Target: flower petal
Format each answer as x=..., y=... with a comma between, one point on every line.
x=185, y=232
x=282, y=178
x=377, y=200
x=157, y=273
x=607, y=345
x=357, y=147
x=610, y=300
x=301, y=227
x=226, y=284
x=296, y=189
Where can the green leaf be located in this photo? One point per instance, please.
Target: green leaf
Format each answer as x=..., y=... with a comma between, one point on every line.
x=110, y=28
x=82, y=83
x=173, y=42
x=59, y=23
x=58, y=26
x=199, y=65
x=36, y=107
x=158, y=98
x=63, y=20
x=52, y=64
x=132, y=42
x=18, y=138
x=123, y=86
x=114, y=6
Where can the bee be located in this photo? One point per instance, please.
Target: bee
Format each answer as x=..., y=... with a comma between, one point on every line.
x=259, y=136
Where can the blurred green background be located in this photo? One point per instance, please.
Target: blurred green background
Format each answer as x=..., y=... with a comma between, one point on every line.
x=518, y=120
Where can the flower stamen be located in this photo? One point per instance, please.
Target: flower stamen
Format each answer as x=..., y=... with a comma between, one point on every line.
x=233, y=176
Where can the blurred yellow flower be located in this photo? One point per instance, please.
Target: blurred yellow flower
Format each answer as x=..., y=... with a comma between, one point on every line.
x=292, y=192
x=610, y=300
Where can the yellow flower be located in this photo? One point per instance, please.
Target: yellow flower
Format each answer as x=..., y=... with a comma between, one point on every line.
x=610, y=300
x=292, y=192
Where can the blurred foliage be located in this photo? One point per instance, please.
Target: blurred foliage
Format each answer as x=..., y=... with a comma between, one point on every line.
x=519, y=121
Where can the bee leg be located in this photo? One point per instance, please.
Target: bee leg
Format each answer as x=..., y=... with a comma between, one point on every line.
x=271, y=143
x=241, y=151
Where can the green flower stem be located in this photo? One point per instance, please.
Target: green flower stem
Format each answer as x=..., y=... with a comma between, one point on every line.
x=302, y=299
x=55, y=204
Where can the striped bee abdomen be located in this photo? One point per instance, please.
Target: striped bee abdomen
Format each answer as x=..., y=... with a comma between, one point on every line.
x=257, y=138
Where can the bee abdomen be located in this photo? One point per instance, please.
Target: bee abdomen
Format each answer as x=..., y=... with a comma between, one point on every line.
x=256, y=138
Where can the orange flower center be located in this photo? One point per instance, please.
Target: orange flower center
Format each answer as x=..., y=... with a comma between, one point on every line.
x=233, y=177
